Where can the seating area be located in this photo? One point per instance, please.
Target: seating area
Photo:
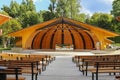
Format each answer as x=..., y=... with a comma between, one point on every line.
x=21, y=64
x=25, y=66
x=97, y=64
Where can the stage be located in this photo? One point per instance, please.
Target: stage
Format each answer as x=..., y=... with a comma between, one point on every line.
x=68, y=52
x=63, y=52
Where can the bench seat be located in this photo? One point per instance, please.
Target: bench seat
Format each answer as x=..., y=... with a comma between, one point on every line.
x=12, y=78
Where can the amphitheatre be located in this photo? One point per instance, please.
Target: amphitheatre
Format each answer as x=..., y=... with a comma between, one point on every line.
x=60, y=49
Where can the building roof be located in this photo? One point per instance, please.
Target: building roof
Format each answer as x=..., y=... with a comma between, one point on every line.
x=63, y=31
x=78, y=24
x=3, y=18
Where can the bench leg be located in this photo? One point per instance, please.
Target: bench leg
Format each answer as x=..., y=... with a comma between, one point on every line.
x=96, y=76
x=32, y=77
x=83, y=72
x=114, y=73
x=79, y=68
x=43, y=68
x=2, y=76
x=36, y=76
x=109, y=73
x=92, y=76
x=86, y=68
x=86, y=72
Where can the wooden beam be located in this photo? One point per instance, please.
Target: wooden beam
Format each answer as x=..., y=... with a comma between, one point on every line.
x=63, y=21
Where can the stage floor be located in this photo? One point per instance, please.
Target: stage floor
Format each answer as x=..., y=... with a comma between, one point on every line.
x=69, y=52
x=66, y=52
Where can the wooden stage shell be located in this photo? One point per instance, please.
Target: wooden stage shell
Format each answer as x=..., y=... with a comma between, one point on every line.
x=62, y=31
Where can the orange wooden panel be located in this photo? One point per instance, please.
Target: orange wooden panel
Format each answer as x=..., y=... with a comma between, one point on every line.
x=28, y=44
x=94, y=37
x=47, y=39
x=37, y=39
x=67, y=37
x=57, y=38
x=77, y=40
x=87, y=40
x=3, y=18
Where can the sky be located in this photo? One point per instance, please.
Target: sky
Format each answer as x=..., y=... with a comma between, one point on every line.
x=88, y=6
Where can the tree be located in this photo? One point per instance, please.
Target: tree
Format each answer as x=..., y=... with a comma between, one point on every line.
x=62, y=9
x=116, y=8
x=116, y=12
x=30, y=5
x=29, y=18
x=52, y=6
x=12, y=10
x=47, y=15
x=82, y=17
x=10, y=26
x=25, y=12
x=74, y=8
x=102, y=20
x=66, y=8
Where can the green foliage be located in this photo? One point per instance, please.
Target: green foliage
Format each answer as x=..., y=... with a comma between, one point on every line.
x=29, y=18
x=25, y=12
x=52, y=6
x=10, y=26
x=48, y=15
x=66, y=8
x=116, y=39
x=4, y=13
x=116, y=8
x=82, y=17
x=13, y=9
x=116, y=12
x=102, y=20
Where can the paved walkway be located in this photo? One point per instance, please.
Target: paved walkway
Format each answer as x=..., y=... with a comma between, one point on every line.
x=61, y=69
x=64, y=69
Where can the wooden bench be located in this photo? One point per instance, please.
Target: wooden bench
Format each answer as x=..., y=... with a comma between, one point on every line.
x=83, y=62
x=117, y=77
x=107, y=67
x=10, y=56
x=29, y=63
x=29, y=67
x=86, y=62
x=41, y=61
x=11, y=71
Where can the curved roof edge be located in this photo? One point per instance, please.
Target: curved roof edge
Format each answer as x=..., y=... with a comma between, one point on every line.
x=4, y=18
x=44, y=24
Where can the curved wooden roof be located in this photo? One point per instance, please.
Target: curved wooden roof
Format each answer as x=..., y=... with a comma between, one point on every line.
x=62, y=31
x=3, y=18
x=63, y=34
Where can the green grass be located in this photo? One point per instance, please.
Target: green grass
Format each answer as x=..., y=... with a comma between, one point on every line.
x=5, y=48
x=117, y=44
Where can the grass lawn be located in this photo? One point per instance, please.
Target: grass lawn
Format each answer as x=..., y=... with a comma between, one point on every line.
x=4, y=48
x=117, y=44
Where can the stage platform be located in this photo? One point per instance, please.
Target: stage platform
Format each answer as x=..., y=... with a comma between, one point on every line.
x=68, y=52
x=65, y=52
